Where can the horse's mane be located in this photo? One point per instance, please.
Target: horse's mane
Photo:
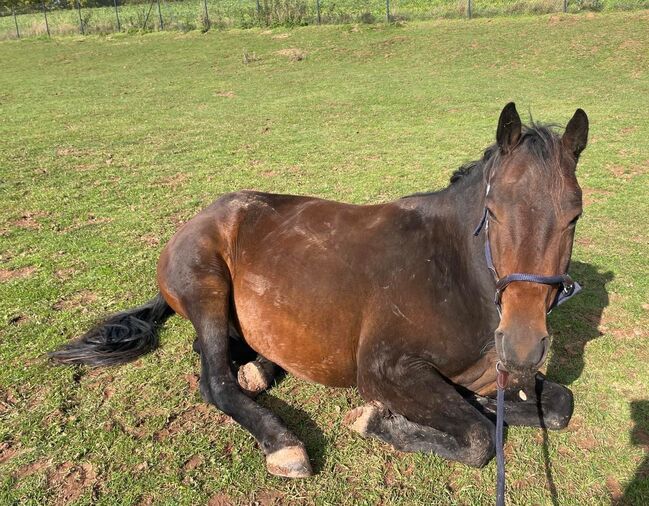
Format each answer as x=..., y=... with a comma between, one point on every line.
x=541, y=141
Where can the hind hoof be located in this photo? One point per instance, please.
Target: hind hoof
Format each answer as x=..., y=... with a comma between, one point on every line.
x=359, y=419
x=290, y=462
x=252, y=379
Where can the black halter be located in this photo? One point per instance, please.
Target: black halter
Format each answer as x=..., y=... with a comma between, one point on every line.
x=569, y=288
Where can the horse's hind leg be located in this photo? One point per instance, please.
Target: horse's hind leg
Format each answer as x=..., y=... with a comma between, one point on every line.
x=207, y=305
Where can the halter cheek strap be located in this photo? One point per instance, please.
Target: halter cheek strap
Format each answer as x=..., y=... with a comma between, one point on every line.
x=569, y=288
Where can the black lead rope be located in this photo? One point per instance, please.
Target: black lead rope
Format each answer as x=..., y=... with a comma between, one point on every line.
x=501, y=383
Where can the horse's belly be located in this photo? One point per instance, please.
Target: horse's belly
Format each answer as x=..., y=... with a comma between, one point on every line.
x=308, y=338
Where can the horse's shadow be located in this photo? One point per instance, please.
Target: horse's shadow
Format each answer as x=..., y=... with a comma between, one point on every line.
x=637, y=491
x=577, y=323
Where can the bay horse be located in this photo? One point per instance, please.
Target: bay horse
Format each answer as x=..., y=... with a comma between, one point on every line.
x=395, y=299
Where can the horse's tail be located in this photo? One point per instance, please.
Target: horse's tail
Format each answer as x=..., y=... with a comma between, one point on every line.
x=120, y=338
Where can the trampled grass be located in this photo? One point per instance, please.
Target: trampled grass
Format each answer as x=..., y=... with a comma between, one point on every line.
x=109, y=143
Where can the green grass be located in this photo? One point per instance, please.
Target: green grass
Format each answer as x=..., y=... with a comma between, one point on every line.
x=109, y=143
x=188, y=14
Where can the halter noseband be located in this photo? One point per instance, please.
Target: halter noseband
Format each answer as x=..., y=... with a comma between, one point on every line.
x=569, y=288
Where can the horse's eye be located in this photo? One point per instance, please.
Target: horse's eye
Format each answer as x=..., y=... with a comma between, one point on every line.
x=574, y=221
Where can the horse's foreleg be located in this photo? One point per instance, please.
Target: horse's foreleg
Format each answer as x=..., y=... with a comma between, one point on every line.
x=413, y=408
x=285, y=453
x=539, y=403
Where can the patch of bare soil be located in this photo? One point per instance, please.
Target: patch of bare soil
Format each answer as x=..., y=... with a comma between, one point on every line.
x=29, y=220
x=281, y=36
x=268, y=497
x=225, y=94
x=192, y=381
x=78, y=300
x=68, y=481
x=11, y=274
x=7, y=451
x=90, y=220
x=220, y=499
x=18, y=319
x=293, y=54
x=150, y=240
x=65, y=274
x=197, y=417
x=31, y=468
x=614, y=488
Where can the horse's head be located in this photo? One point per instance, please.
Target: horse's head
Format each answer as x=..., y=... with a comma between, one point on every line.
x=533, y=203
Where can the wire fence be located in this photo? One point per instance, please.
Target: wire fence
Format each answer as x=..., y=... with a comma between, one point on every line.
x=28, y=18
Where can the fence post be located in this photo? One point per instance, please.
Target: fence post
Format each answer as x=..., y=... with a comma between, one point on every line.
x=13, y=11
x=565, y=5
x=469, y=9
x=317, y=7
x=47, y=25
x=80, y=20
x=387, y=11
x=258, y=8
x=207, y=16
x=119, y=26
x=160, y=16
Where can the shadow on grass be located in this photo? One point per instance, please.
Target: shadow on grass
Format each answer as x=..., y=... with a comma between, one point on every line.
x=637, y=491
x=574, y=325
x=301, y=424
x=577, y=322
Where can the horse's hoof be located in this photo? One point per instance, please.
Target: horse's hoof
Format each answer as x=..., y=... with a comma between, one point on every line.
x=358, y=419
x=290, y=462
x=252, y=379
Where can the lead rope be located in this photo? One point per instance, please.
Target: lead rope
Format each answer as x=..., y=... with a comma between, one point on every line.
x=501, y=382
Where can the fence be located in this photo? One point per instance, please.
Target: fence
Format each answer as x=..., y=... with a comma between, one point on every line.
x=59, y=17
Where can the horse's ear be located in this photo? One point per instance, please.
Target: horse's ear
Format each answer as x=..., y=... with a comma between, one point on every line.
x=575, y=137
x=509, y=128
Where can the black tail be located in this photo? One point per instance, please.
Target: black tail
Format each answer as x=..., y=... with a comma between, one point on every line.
x=120, y=338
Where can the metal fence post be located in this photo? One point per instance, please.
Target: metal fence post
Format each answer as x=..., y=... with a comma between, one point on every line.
x=160, y=16
x=207, y=16
x=317, y=7
x=80, y=20
x=387, y=11
x=119, y=26
x=47, y=25
x=565, y=5
x=13, y=11
x=469, y=9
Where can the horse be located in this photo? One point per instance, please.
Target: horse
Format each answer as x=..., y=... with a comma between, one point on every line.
x=395, y=299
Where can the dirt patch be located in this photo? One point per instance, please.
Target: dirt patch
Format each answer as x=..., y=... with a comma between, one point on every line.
x=68, y=481
x=7, y=451
x=11, y=274
x=591, y=196
x=192, y=463
x=281, y=36
x=192, y=381
x=198, y=417
x=90, y=220
x=268, y=497
x=29, y=220
x=226, y=94
x=394, y=40
x=150, y=240
x=614, y=488
x=220, y=499
x=18, y=319
x=76, y=301
x=293, y=54
x=65, y=274
x=32, y=468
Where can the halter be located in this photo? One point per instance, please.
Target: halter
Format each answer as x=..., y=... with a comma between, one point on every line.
x=569, y=288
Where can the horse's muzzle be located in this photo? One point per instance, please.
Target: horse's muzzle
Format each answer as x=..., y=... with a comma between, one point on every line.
x=521, y=353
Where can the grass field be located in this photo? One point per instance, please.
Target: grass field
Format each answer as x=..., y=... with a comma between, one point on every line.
x=188, y=15
x=108, y=144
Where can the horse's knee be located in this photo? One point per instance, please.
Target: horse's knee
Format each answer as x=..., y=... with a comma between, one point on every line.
x=560, y=405
x=481, y=444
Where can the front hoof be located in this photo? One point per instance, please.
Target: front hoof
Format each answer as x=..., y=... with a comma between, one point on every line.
x=290, y=462
x=359, y=419
x=252, y=379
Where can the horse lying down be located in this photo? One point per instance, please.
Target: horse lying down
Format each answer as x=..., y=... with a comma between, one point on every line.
x=396, y=299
